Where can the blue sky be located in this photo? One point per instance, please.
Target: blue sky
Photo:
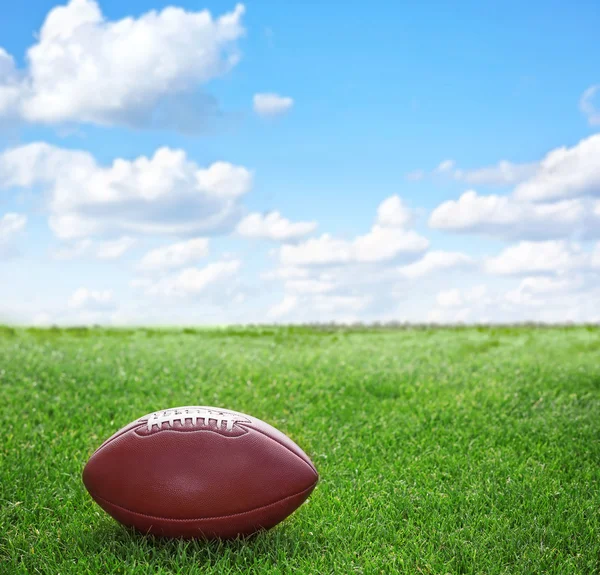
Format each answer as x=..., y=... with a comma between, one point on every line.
x=419, y=163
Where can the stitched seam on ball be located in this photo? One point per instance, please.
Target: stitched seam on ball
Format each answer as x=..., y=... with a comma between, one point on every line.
x=312, y=467
x=183, y=430
x=194, y=413
x=207, y=518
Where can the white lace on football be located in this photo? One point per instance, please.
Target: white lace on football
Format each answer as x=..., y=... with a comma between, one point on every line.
x=181, y=414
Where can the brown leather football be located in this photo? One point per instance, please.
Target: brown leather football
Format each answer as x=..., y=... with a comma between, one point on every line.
x=199, y=472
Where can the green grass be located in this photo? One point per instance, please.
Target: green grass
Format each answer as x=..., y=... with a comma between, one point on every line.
x=440, y=451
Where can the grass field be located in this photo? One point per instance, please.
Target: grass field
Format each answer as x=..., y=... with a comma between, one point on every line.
x=440, y=451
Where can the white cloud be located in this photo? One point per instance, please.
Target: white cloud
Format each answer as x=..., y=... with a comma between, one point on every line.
x=164, y=194
x=477, y=294
x=549, y=257
x=309, y=286
x=392, y=212
x=531, y=288
x=42, y=319
x=595, y=257
x=283, y=308
x=379, y=245
x=10, y=88
x=565, y=173
x=445, y=166
x=175, y=255
x=449, y=298
x=74, y=250
x=459, y=306
x=337, y=303
x=142, y=283
x=342, y=279
x=114, y=249
x=285, y=273
x=11, y=224
x=450, y=315
x=85, y=299
x=504, y=173
x=385, y=244
x=41, y=163
x=270, y=104
x=108, y=250
x=507, y=218
x=85, y=68
x=273, y=226
x=317, y=251
x=435, y=261
x=556, y=201
x=193, y=281
x=535, y=298
x=588, y=106
x=323, y=307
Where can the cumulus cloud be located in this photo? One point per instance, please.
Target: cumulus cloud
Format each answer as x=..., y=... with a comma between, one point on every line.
x=10, y=87
x=317, y=251
x=502, y=174
x=474, y=296
x=554, y=198
x=388, y=240
x=339, y=279
x=309, y=286
x=283, y=308
x=508, y=218
x=537, y=298
x=91, y=300
x=379, y=245
x=445, y=166
x=531, y=290
x=42, y=319
x=193, y=282
x=114, y=249
x=595, y=257
x=85, y=68
x=71, y=251
x=449, y=298
x=556, y=201
x=549, y=257
x=11, y=224
x=436, y=261
x=387, y=244
x=393, y=212
x=175, y=255
x=565, y=173
x=273, y=226
x=475, y=304
x=588, y=105
x=285, y=273
x=340, y=303
x=269, y=104
x=108, y=250
x=327, y=307
x=163, y=194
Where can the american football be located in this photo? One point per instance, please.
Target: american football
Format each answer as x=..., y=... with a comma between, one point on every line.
x=199, y=472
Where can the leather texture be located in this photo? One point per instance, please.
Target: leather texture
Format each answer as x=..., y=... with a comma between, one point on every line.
x=203, y=478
